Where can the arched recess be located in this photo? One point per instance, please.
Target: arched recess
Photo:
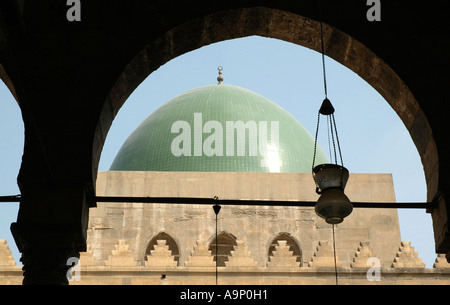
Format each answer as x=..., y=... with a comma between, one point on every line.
x=173, y=247
x=285, y=26
x=225, y=244
x=290, y=242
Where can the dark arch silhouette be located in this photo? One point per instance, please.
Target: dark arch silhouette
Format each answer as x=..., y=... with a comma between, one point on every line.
x=286, y=26
x=67, y=115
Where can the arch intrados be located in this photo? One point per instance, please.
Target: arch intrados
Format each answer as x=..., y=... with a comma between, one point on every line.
x=288, y=27
x=223, y=235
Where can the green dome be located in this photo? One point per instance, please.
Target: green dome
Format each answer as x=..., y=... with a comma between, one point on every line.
x=219, y=128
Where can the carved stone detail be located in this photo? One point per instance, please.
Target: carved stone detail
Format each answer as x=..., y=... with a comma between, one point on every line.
x=240, y=257
x=282, y=256
x=324, y=256
x=362, y=255
x=161, y=256
x=406, y=257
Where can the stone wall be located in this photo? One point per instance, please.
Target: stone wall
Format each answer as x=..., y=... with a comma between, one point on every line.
x=160, y=269
x=137, y=243
x=258, y=227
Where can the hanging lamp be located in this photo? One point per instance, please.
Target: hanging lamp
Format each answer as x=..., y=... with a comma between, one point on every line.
x=330, y=178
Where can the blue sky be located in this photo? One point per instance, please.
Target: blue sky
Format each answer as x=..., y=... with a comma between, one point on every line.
x=373, y=139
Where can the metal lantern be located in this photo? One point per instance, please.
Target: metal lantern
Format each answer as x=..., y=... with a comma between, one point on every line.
x=333, y=205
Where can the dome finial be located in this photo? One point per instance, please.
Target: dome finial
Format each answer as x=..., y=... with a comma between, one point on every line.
x=220, y=77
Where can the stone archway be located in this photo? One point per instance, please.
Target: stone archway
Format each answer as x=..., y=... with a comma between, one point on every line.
x=289, y=27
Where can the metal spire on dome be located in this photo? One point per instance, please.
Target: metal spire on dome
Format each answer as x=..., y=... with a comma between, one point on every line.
x=220, y=77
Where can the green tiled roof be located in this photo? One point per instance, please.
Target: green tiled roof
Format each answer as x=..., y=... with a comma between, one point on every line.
x=219, y=128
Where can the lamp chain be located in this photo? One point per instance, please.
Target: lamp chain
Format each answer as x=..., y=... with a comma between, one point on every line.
x=323, y=60
x=337, y=140
x=334, y=252
x=315, y=141
x=217, y=257
x=332, y=139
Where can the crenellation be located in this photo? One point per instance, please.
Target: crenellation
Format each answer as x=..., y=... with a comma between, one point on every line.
x=362, y=255
x=441, y=262
x=6, y=258
x=324, y=255
x=406, y=257
x=283, y=257
x=121, y=255
x=87, y=259
x=200, y=256
x=161, y=256
x=240, y=257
